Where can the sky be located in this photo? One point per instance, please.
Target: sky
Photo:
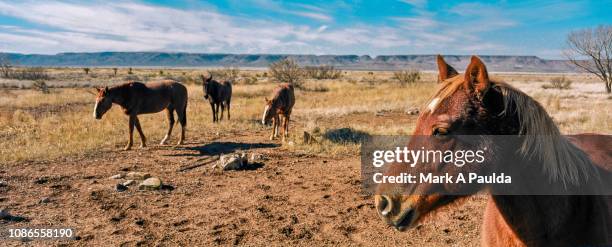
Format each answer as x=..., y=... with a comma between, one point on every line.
x=385, y=27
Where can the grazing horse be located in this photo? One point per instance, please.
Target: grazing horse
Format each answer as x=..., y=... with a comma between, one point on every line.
x=279, y=109
x=218, y=94
x=137, y=98
x=472, y=104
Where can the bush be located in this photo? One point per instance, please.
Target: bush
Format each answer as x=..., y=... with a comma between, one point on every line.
x=41, y=86
x=287, y=70
x=225, y=74
x=322, y=72
x=407, y=76
x=32, y=73
x=560, y=82
x=86, y=70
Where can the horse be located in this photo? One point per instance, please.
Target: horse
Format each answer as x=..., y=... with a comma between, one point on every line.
x=473, y=104
x=218, y=94
x=279, y=109
x=137, y=98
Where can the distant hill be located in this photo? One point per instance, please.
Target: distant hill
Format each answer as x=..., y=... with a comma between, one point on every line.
x=393, y=62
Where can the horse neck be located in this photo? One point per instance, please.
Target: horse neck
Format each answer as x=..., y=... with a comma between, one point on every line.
x=119, y=95
x=544, y=220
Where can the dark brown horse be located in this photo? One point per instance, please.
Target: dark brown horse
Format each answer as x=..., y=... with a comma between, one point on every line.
x=472, y=104
x=137, y=98
x=218, y=94
x=278, y=109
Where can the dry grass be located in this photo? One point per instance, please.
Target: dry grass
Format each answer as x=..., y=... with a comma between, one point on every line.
x=43, y=126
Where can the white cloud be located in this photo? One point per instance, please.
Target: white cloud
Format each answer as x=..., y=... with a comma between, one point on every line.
x=133, y=26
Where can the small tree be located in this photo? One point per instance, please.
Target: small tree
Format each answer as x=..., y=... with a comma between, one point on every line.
x=287, y=70
x=130, y=71
x=115, y=71
x=161, y=72
x=594, y=45
x=86, y=71
x=407, y=76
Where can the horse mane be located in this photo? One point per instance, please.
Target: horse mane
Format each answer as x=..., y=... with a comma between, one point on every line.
x=561, y=160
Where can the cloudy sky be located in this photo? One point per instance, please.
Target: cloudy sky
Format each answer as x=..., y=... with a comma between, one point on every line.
x=298, y=27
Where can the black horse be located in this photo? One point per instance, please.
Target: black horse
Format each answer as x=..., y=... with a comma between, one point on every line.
x=218, y=94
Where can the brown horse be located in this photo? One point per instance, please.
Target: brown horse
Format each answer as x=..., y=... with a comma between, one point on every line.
x=137, y=98
x=279, y=109
x=218, y=94
x=472, y=104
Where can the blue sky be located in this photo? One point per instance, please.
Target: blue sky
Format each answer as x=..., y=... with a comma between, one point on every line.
x=298, y=27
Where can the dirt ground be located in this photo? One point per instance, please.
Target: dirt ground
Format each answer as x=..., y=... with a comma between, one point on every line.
x=289, y=198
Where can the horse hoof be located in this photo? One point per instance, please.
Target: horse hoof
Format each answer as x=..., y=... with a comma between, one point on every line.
x=143, y=146
x=127, y=148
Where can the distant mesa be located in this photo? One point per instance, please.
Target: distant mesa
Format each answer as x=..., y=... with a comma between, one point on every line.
x=354, y=62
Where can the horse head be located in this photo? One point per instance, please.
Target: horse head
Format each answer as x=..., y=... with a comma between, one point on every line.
x=206, y=85
x=103, y=102
x=465, y=105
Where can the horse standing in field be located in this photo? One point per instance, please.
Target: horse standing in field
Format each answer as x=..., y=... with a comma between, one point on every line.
x=137, y=98
x=278, y=109
x=218, y=94
x=472, y=104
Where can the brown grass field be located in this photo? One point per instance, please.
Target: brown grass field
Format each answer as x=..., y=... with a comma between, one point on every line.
x=303, y=194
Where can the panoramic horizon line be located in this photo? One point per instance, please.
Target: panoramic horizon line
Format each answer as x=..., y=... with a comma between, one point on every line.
x=279, y=54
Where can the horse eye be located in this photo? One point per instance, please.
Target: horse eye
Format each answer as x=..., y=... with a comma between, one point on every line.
x=439, y=131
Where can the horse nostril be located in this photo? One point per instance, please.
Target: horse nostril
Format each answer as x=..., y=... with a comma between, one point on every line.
x=384, y=205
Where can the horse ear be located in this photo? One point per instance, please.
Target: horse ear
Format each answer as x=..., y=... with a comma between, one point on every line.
x=476, y=77
x=445, y=71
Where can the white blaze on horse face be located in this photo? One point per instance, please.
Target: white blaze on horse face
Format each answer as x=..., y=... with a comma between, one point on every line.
x=96, y=109
x=263, y=118
x=433, y=104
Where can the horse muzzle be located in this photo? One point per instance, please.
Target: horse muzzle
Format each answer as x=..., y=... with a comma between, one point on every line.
x=391, y=212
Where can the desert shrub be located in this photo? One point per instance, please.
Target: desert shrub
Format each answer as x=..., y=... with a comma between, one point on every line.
x=86, y=70
x=225, y=74
x=287, y=70
x=161, y=72
x=560, y=82
x=249, y=80
x=40, y=85
x=405, y=77
x=31, y=73
x=130, y=71
x=115, y=71
x=322, y=72
x=345, y=135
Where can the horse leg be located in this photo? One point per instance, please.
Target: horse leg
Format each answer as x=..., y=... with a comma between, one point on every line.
x=273, y=129
x=276, y=125
x=222, y=109
x=143, y=139
x=131, y=128
x=170, y=113
x=228, y=110
x=182, y=115
x=217, y=112
x=212, y=109
x=286, y=132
